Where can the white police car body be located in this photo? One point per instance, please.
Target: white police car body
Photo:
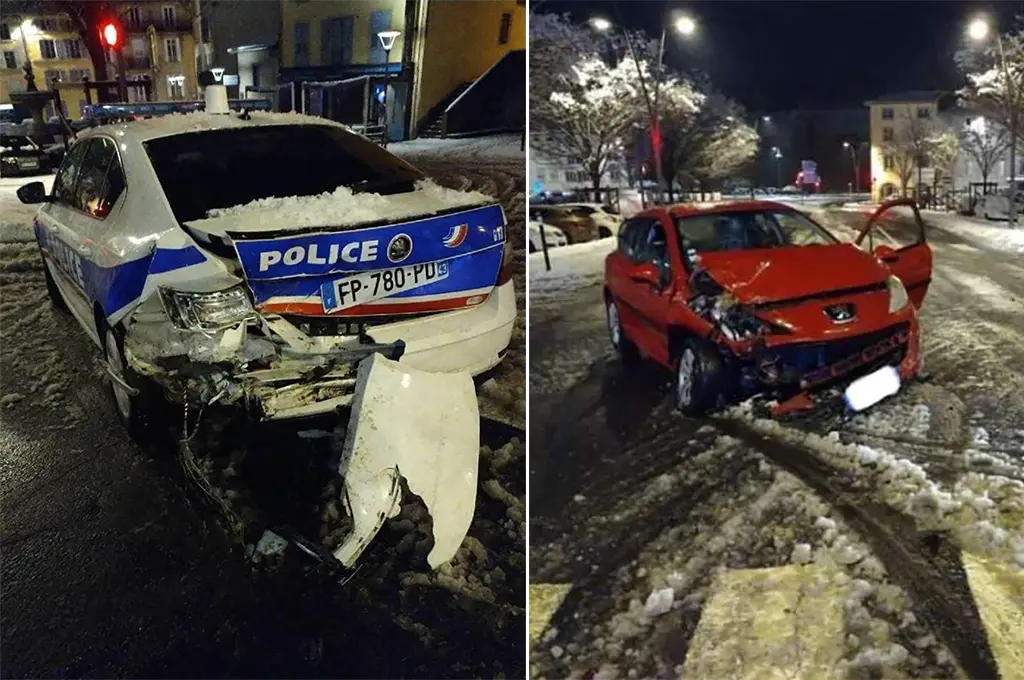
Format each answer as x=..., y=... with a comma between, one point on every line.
x=339, y=249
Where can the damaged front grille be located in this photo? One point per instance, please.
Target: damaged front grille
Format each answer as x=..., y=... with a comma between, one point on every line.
x=809, y=357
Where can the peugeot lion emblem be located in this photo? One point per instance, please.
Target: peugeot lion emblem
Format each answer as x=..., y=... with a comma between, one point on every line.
x=840, y=313
x=399, y=248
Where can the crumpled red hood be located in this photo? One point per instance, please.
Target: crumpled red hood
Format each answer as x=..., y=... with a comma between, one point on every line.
x=777, y=274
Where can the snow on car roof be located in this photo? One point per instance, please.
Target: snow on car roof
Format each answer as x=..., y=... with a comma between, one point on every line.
x=199, y=121
x=340, y=208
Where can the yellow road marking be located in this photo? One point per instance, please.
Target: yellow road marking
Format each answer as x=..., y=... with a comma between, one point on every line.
x=544, y=601
x=780, y=622
x=998, y=591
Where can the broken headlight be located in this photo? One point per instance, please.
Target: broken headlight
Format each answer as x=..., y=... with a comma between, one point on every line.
x=898, y=298
x=738, y=324
x=207, y=311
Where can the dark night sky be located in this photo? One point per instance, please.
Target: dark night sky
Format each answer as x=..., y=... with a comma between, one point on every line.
x=775, y=55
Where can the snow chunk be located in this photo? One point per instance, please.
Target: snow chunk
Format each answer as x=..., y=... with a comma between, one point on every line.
x=801, y=553
x=659, y=602
x=879, y=659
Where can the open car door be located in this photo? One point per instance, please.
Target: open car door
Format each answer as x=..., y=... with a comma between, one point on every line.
x=907, y=254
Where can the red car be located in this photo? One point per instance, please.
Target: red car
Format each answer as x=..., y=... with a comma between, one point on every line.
x=756, y=298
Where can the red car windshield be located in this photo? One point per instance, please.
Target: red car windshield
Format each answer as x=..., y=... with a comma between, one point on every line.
x=749, y=230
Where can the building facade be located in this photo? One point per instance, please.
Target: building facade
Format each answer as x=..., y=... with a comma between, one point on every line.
x=159, y=44
x=564, y=176
x=442, y=47
x=891, y=119
x=51, y=44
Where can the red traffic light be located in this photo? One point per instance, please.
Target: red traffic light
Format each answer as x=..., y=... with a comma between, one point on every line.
x=111, y=34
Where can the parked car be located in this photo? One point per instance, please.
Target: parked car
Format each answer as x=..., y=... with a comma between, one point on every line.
x=996, y=206
x=554, y=236
x=580, y=221
x=22, y=156
x=755, y=298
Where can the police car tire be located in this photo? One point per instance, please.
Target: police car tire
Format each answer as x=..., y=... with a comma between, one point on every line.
x=144, y=408
x=56, y=297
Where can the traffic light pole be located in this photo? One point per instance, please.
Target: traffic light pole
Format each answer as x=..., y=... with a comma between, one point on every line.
x=122, y=85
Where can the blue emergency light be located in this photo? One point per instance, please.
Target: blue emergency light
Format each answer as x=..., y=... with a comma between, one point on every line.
x=100, y=112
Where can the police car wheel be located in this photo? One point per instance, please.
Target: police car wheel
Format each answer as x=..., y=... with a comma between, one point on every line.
x=56, y=297
x=137, y=406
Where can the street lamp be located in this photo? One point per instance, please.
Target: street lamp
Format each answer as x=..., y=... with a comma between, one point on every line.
x=777, y=155
x=685, y=26
x=387, y=41
x=26, y=29
x=978, y=30
x=854, y=155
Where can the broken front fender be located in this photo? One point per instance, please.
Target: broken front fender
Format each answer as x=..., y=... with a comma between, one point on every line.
x=424, y=427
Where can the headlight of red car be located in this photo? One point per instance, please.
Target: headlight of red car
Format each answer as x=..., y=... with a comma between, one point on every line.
x=898, y=297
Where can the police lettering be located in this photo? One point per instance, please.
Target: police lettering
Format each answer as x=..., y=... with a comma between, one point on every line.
x=357, y=251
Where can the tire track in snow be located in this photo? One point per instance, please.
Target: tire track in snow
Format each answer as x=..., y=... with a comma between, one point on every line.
x=928, y=567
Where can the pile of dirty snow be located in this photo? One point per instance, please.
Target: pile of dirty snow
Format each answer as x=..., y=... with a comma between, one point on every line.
x=15, y=216
x=573, y=267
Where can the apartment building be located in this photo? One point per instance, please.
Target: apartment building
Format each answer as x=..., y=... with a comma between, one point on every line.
x=159, y=44
x=50, y=43
x=890, y=120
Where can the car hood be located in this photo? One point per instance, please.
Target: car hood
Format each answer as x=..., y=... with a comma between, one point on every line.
x=778, y=274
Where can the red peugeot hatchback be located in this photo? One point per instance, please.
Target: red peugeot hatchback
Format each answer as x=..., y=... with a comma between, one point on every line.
x=756, y=298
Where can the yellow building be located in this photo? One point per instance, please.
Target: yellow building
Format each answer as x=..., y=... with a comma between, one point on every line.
x=56, y=54
x=442, y=47
x=891, y=116
x=159, y=43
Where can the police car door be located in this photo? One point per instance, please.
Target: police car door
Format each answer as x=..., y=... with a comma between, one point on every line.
x=83, y=223
x=56, y=234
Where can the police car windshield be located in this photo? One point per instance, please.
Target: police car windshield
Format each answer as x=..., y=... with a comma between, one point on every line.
x=201, y=171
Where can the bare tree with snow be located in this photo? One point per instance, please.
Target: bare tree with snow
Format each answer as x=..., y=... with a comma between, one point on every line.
x=908, y=149
x=592, y=109
x=581, y=109
x=985, y=143
x=997, y=92
x=711, y=144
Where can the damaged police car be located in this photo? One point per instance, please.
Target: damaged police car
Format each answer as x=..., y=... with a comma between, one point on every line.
x=289, y=266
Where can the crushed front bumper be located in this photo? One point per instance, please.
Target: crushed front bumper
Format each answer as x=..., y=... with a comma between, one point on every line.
x=794, y=372
x=280, y=372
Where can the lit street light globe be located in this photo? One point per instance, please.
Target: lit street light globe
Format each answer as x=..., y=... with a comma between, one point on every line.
x=978, y=29
x=600, y=23
x=846, y=145
x=686, y=25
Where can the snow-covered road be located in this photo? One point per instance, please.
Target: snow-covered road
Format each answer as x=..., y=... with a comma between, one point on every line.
x=889, y=543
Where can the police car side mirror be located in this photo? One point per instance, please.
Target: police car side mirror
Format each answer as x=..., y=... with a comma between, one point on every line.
x=33, y=192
